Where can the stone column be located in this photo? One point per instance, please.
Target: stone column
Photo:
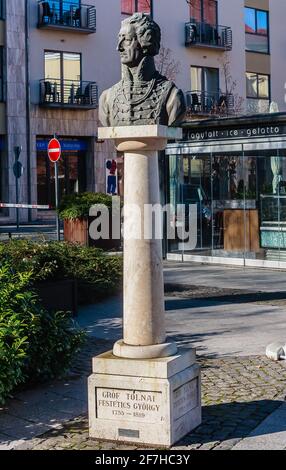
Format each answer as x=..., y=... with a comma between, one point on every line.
x=144, y=391
x=144, y=312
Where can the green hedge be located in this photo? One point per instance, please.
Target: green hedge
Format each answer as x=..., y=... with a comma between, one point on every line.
x=76, y=206
x=97, y=273
x=34, y=345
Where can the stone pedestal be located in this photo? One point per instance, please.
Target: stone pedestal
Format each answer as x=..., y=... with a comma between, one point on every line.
x=154, y=402
x=144, y=391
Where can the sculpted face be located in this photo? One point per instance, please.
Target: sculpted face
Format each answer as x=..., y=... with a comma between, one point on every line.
x=131, y=52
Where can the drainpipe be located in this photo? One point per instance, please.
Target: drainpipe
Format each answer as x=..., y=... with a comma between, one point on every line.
x=28, y=107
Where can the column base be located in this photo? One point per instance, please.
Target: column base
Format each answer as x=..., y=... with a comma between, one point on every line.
x=144, y=352
x=153, y=402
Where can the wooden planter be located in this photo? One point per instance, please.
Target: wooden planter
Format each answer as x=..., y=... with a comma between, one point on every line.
x=76, y=231
x=58, y=296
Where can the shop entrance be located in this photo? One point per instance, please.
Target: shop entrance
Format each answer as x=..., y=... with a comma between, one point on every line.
x=240, y=196
x=72, y=172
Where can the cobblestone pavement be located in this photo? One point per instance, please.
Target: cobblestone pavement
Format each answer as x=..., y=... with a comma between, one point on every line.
x=238, y=394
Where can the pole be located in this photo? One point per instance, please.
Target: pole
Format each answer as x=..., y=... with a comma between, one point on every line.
x=17, y=202
x=18, y=173
x=58, y=229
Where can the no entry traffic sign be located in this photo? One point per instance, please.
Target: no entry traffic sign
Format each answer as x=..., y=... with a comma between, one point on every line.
x=54, y=150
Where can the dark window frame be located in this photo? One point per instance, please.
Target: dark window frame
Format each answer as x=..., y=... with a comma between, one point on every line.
x=62, y=62
x=203, y=12
x=269, y=86
x=256, y=10
x=135, y=10
x=203, y=77
x=2, y=61
x=2, y=10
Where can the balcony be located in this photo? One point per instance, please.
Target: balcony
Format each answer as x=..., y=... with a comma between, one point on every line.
x=209, y=103
x=60, y=15
x=55, y=93
x=206, y=35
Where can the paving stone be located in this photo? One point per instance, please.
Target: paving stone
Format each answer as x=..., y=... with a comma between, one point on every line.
x=238, y=394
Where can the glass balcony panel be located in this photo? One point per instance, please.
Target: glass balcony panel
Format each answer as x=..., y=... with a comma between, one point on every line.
x=208, y=103
x=59, y=93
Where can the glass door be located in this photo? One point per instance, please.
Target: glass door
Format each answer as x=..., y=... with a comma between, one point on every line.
x=190, y=199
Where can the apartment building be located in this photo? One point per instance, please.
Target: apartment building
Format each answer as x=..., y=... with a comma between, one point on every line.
x=59, y=55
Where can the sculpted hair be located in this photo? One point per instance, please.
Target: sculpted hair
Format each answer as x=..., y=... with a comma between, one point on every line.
x=148, y=33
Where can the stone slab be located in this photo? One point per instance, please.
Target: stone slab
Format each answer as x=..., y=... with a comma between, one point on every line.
x=269, y=435
x=153, y=411
x=131, y=132
x=162, y=368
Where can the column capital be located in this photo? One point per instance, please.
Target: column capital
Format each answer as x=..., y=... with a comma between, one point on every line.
x=140, y=138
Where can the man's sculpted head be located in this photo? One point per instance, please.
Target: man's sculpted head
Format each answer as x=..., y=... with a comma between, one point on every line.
x=143, y=96
x=139, y=37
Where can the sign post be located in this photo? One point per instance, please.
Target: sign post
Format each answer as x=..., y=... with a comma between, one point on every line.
x=18, y=172
x=54, y=153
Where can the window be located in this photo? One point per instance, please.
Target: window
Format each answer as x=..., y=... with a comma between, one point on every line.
x=1, y=9
x=204, y=11
x=205, y=79
x=62, y=66
x=62, y=75
x=256, y=30
x=257, y=86
x=1, y=73
x=257, y=92
x=128, y=7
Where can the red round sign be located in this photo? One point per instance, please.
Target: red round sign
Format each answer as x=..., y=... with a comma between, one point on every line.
x=54, y=150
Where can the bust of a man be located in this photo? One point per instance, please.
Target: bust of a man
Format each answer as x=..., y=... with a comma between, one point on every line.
x=143, y=96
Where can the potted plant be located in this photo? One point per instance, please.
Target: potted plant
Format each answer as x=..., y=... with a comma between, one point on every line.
x=74, y=211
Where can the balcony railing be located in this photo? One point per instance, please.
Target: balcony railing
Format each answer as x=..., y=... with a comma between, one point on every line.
x=57, y=93
x=58, y=14
x=207, y=103
x=207, y=35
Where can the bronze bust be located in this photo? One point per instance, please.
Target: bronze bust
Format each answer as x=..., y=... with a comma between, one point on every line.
x=143, y=96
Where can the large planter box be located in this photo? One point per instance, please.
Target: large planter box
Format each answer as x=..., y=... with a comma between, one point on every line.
x=58, y=295
x=76, y=231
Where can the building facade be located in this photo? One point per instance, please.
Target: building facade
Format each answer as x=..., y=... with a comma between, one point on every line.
x=228, y=56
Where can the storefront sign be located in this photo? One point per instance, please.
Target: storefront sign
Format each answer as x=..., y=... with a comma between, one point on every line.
x=67, y=145
x=235, y=133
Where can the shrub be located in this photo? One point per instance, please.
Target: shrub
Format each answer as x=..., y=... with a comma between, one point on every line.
x=76, y=206
x=96, y=273
x=34, y=345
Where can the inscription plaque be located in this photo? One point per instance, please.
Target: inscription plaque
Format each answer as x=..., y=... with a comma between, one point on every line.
x=129, y=405
x=185, y=399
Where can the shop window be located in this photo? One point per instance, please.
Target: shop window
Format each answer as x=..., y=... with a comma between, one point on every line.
x=256, y=30
x=204, y=11
x=129, y=7
x=72, y=175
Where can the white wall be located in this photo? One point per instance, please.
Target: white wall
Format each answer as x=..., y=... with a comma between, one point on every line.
x=100, y=61
x=172, y=21
x=231, y=13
